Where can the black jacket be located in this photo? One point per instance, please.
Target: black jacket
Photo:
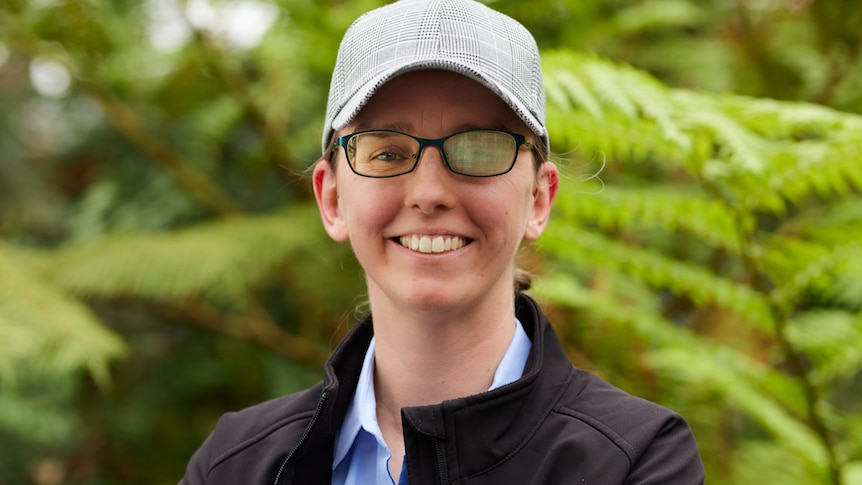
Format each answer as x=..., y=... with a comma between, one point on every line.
x=555, y=425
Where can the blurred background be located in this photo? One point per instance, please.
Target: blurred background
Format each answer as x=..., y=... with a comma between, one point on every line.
x=161, y=260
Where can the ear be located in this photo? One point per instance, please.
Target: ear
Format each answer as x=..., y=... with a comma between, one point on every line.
x=547, y=183
x=326, y=194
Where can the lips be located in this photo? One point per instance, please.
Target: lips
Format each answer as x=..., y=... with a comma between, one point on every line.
x=432, y=244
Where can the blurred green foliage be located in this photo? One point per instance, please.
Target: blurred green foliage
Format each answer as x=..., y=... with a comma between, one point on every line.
x=161, y=261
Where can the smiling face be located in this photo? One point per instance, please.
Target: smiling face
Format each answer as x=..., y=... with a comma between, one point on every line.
x=432, y=241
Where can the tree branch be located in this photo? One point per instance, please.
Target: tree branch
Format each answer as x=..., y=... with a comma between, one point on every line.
x=254, y=327
x=794, y=359
x=239, y=85
x=131, y=126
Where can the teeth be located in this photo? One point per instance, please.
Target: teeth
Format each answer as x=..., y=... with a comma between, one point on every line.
x=432, y=244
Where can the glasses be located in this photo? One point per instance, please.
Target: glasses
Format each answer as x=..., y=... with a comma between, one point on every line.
x=474, y=153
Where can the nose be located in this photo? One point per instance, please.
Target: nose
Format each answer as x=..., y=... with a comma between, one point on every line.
x=429, y=187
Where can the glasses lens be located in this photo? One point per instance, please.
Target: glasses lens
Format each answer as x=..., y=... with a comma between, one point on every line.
x=481, y=153
x=381, y=153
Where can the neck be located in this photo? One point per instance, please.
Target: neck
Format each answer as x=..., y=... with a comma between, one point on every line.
x=425, y=359
x=436, y=366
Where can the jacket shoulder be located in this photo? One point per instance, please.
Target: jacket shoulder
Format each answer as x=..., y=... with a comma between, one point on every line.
x=283, y=419
x=658, y=443
x=240, y=428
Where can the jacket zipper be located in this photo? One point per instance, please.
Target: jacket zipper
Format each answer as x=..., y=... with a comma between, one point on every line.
x=442, y=470
x=305, y=434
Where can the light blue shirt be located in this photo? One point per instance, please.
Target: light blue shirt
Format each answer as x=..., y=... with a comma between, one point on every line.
x=361, y=456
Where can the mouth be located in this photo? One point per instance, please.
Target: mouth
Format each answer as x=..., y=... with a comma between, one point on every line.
x=435, y=244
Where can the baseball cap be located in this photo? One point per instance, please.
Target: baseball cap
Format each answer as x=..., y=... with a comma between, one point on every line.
x=463, y=36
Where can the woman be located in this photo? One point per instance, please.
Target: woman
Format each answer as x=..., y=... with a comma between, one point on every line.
x=435, y=171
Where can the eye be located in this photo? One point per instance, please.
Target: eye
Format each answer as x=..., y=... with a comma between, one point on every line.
x=392, y=154
x=386, y=156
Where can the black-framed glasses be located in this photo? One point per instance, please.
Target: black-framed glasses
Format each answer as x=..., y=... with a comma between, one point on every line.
x=475, y=153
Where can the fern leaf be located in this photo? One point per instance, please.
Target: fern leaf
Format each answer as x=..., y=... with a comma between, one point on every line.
x=588, y=250
x=629, y=209
x=612, y=92
x=831, y=339
x=737, y=144
x=716, y=370
x=853, y=473
x=787, y=120
x=220, y=260
x=37, y=407
x=797, y=264
x=659, y=14
x=761, y=461
x=761, y=154
x=566, y=90
x=565, y=290
x=614, y=138
x=629, y=92
x=645, y=321
x=828, y=170
x=44, y=328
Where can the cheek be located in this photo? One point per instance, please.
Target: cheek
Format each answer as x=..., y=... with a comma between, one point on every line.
x=504, y=210
x=366, y=209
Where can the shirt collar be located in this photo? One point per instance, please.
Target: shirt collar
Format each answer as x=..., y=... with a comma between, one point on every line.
x=362, y=412
x=512, y=365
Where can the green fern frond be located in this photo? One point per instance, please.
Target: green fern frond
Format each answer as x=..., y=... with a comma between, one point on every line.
x=659, y=14
x=220, y=260
x=762, y=154
x=847, y=288
x=832, y=341
x=43, y=327
x=853, y=472
x=646, y=323
x=565, y=290
x=844, y=279
x=36, y=407
x=613, y=91
x=717, y=370
x=736, y=144
x=599, y=86
x=654, y=102
x=785, y=159
x=587, y=249
x=760, y=461
x=613, y=138
x=566, y=90
x=670, y=210
x=774, y=189
x=795, y=265
x=788, y=121
x=825, y=170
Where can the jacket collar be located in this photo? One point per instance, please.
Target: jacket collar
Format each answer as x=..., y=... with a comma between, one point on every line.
x=502, y=420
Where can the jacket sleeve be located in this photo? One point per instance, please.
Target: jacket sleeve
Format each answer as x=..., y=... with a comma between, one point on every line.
x=671, y=458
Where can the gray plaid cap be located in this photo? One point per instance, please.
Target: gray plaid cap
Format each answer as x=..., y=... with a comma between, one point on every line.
x=462, y=36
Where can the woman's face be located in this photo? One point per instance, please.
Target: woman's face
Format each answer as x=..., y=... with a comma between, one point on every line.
x=478, y=222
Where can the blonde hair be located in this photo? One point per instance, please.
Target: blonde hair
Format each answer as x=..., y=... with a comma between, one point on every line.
x=523, y=280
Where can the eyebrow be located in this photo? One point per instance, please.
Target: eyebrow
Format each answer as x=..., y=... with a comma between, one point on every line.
x=398, y=126
x=408, y=127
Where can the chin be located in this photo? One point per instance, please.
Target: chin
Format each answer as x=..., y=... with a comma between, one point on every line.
x=435, y=299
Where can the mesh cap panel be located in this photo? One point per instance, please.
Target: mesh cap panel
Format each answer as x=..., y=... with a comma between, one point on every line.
x=462, y=36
